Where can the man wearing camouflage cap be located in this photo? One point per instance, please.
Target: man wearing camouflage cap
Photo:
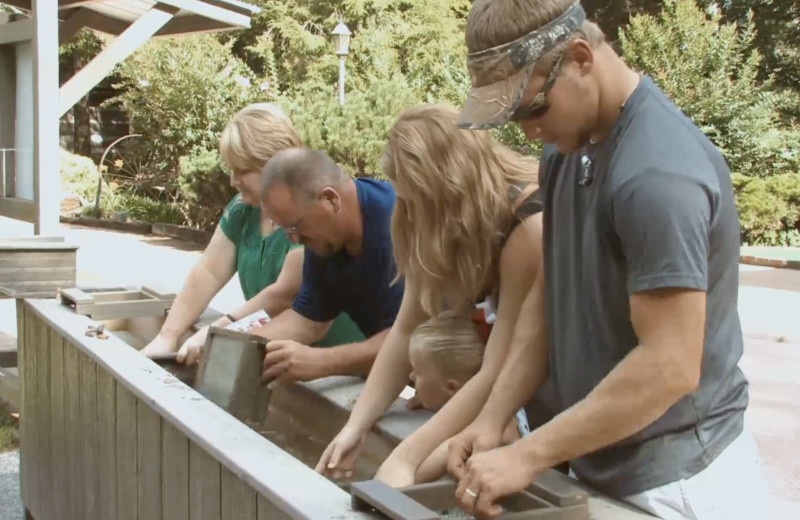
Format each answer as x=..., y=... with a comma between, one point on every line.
x=640, y=283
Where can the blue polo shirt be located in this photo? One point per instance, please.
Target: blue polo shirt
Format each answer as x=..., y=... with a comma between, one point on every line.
x=359, y=285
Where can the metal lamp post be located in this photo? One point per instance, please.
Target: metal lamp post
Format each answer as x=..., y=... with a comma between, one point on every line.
x=341, y=42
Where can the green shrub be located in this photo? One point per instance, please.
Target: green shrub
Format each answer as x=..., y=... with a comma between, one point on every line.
x=78, y=176
x=354, y=134
x=769, y=209
x=205, y=186
x=181, y=92
x=711, y=71
x=9, y=431
x=137, y=208
x=512, y=136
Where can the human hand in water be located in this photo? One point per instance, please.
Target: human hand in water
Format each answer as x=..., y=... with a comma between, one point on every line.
x=340, y=456
x=192, y=348
x=160, y=346
x=288, y=361
x=493, y=475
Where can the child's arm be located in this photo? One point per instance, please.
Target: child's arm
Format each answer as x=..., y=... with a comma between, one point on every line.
x=434, y=467
x=511, y=433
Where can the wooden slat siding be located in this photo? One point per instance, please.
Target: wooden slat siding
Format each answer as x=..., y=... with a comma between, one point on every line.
x=58, y=443
x=35, y=274
x=107, y=444
x=55, y=261
x=175, y=473
x=32, y=408
x=89, y=438
x=204, y=485
x=10, y=258
x=239, y=501
x=148, y=455
x=26, y=448
x=72, y=427
x=34, y=286
x=220, y=437
x=44, y=421
x=127, y=482
x=128, y=309
x=269, y=511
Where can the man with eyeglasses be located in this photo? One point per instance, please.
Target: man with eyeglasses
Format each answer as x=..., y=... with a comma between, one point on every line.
x=349, y=265
x=638, y=297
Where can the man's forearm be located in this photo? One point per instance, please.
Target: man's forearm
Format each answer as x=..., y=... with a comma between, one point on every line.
x=633, y=395
x=354, y=358
x=291, y=325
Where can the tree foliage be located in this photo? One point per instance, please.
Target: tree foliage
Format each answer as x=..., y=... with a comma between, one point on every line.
x=710, y=69
x=732, y=67
x=354, y=134
x=180, y=93
x=421, y=41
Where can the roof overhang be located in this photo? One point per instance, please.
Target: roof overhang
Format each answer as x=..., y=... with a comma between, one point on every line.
x=189, y=16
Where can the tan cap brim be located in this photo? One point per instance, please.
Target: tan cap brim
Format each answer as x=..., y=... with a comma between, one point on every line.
x=493, y=105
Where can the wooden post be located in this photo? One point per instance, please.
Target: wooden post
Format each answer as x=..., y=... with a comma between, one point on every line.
x=123, y=46
x=24, y=133
x=47, y=181
x=8, y=116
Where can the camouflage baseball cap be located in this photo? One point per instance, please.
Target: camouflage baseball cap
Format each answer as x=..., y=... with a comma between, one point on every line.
x=500, y=74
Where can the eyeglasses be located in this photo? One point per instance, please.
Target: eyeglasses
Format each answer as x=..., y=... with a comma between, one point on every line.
x=539, y=104
x=294, y=229
x=291, y=230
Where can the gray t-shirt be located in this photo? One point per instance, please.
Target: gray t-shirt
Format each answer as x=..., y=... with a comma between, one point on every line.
x=658, y=212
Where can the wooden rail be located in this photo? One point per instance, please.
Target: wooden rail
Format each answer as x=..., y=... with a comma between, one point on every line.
x=107, y=434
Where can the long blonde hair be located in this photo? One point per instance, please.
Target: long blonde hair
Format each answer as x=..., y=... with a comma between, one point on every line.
x=456, y=190
x=453, y=344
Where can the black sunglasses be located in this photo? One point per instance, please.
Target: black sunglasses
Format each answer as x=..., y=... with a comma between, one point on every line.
x=539, y=104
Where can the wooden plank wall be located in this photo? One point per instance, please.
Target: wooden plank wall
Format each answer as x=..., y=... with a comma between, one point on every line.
x=37, y=271
x=92, y=450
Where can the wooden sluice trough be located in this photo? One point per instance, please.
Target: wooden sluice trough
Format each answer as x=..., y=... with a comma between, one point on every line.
x=107, y=433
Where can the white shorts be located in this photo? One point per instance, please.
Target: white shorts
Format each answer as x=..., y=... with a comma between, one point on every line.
x=732, y=487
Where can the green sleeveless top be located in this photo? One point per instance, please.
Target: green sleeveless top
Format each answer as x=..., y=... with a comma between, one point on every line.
x=259, y=260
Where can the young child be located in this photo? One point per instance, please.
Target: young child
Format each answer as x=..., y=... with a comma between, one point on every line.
x=445, y=352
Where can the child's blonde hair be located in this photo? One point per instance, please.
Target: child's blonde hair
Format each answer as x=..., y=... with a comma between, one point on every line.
x=454, y=345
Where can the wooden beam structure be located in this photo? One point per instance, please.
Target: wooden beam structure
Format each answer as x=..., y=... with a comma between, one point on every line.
x=46, y=178
x=123, y=46
x=19, y=31
x=18, y=209
x=86, y=18
x=192, y=24
x=211, y=10
x=31, y=102
x=66, y=4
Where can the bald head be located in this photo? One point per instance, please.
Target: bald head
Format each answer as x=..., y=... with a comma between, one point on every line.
x=305, y=172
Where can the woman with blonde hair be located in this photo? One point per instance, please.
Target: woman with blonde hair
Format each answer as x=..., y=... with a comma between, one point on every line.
x=466, y=231
x=269, y=265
